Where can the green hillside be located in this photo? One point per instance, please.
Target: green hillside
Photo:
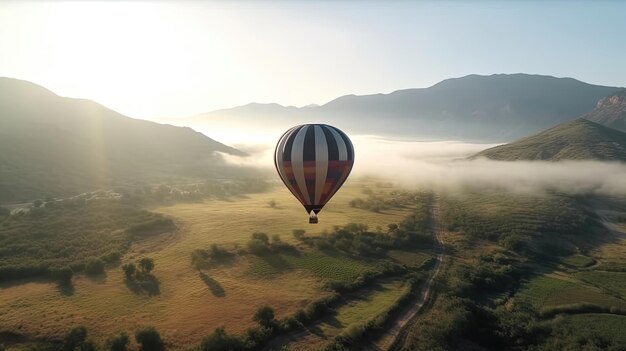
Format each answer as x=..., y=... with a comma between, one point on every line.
x=51, y=145
x=580, y=139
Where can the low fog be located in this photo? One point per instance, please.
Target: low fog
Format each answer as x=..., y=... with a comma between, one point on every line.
x=443, y=165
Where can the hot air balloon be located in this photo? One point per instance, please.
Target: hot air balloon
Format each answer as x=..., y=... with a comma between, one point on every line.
x=314, y=160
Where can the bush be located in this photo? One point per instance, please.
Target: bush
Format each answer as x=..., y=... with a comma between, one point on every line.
x=219, y=340
x=513, y=242
x=94, y=266
x=75, y=338
x=146, y=265
x=62, y=275
x=2, y=347
x=129, y=270
x=118, y=342
x=88, y=345
x=264, y=316
x=149, y=339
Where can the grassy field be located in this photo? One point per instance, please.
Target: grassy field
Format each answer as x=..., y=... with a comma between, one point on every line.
x=190, y=305
x=615, y=282
x=548, y=291
x=578, y=261
x=408, y=258
x=324, y=265
x=358, y=308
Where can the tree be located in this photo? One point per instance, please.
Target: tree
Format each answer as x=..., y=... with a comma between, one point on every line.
x=149, y=339
x=88, y=345
x=219, y=340
x=129, y=269
x=146, y=264
x=62, y=275
x=264, y=316
x=94, y=266
x=118, y=342
x=75, y=338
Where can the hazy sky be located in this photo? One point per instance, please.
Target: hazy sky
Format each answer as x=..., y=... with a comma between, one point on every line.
x=162, y=59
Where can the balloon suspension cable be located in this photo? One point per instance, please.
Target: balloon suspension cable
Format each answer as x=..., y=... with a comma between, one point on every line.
x=312, y=218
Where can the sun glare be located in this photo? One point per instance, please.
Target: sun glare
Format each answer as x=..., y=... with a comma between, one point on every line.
x=149, y=50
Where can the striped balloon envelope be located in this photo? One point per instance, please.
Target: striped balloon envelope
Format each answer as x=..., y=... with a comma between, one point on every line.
x=314, y=160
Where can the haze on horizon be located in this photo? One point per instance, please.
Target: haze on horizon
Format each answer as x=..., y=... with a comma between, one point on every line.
x=156, y=60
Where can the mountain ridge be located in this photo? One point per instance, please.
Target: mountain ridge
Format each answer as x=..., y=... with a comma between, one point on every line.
x=499, y=107
x=60, y=146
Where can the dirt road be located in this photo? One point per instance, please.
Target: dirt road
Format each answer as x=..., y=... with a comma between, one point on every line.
x=393, y=339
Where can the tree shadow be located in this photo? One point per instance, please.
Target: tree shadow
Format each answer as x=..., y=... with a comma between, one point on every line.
x=276, y=261
x=215, y=287
x=66, y=289
x=146, y=284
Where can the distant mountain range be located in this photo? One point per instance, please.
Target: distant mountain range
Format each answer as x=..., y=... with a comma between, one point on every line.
x=51, y=145
x=499, y=107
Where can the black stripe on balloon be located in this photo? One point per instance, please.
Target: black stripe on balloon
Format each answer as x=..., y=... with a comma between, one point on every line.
x=346, y=140
x=289, y=144
x=309, y=144
x=333, y=149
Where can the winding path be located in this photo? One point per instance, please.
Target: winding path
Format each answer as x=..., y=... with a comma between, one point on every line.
x=394, y=337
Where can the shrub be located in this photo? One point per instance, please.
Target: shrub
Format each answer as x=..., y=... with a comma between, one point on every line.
x=219, y=340
x=129, y=269
x=75, y=338
x=62, y=275
x=264, y=316
x=118, y=342
x=1, y=347
x=149, y=339
x=146, y=265
x=94, y=266
x=88, y=345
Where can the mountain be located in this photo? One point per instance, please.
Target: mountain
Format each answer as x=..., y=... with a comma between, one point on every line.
x=52, y=145
x=500, y=107
x=610, y=111
x=580, y=139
